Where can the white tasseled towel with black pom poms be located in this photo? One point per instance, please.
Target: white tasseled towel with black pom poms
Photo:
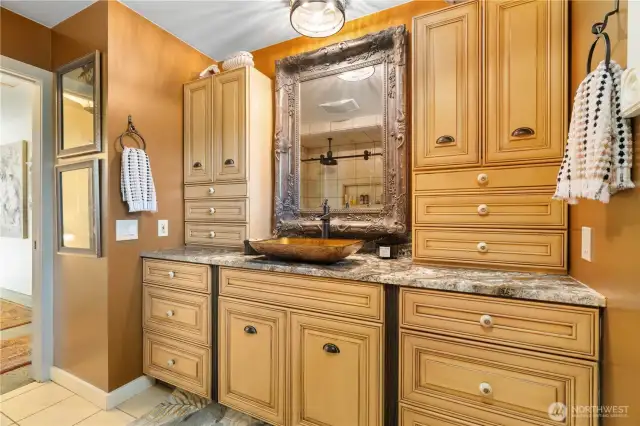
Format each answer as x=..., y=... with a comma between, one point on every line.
x=136, y=182
x=598, y=157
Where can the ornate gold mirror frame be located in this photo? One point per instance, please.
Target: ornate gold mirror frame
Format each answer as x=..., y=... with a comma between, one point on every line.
x=387, y=48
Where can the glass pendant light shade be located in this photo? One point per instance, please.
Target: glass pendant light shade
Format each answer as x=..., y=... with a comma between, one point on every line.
x=317, y=18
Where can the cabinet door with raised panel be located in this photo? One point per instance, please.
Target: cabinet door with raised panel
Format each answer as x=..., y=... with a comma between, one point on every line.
x=446, y=75
x=198, y=156
x=229, y=125
x=336, y=372
x=252, y=359
x=526, y=80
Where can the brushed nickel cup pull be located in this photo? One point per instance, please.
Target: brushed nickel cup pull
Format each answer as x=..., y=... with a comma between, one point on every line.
x=172, y=274
x=522, y=132
x=445, y=139
x=211, y=190
x=483, y=209
x=485, y=388
x=483, y=178
x=170, y=313
x=212, y=210
x=171, y=362
x=482, y=247
x=486, y=321
x=212, y=234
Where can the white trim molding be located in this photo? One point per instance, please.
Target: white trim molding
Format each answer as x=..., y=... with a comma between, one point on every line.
x=104, y=400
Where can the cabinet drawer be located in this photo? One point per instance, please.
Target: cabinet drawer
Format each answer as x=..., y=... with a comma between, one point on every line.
x=336, y=372
x=216, y=210
x=180, y=275
x=252, y=359
x=184, y=365
x=215, y=234
x=508, y=210
x=349, y=298
x=491, y=385
x=484, y=179
x=566, y=330
x=523, y=249
x=216, y=190
x=183, y=314
x=411, y=416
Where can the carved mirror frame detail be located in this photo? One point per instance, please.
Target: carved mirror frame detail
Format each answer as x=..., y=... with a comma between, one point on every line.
x=386, y=47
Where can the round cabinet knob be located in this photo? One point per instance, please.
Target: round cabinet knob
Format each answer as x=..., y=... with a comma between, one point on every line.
x=483, y=247
x=211, y=190
x=483, y=178
x=170, y=313
x=486, y=321
x=212, y=234
x=483, y=209
x=171, y=362
x=172, y=274
x=212, y=210
x=485, y=389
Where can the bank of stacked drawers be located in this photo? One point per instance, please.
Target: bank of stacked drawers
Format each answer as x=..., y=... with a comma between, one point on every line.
x=473, y=360
x=489, y=125
x=178, y=336
x=228, y=172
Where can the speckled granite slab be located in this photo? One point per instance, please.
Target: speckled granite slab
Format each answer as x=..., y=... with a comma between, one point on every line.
x=402, y=272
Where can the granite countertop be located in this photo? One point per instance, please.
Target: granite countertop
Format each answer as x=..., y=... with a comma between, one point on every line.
x=402, y=272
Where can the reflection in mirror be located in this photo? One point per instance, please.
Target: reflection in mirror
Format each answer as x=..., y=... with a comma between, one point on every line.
x=77, y=208
x=79, y=106
x=341, y=134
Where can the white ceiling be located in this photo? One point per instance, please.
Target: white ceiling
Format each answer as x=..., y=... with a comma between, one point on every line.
x=217, y=28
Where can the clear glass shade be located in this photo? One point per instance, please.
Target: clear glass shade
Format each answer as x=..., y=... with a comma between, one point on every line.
x=317, y=18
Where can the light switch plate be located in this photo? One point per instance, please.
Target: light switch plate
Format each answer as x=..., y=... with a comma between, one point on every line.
x=586, y=243
x=163, y=228
x=126, y=230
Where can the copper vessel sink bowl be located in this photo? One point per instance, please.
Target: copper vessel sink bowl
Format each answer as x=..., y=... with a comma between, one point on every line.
x=314, y=250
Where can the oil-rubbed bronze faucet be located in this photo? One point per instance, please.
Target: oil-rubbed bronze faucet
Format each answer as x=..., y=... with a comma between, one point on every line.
x=326, y=219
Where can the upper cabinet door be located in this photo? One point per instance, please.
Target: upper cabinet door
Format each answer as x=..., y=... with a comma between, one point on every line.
x=198, y=156
x=446, y=74
x=229, y=125
x=526, y=80
x=336, y=372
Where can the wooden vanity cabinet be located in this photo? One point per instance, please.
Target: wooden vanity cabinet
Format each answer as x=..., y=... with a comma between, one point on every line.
x=228, y=130
x=287, y=357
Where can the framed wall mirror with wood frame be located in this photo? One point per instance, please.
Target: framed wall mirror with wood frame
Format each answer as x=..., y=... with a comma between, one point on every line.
x=341, y=136
x=78, y=87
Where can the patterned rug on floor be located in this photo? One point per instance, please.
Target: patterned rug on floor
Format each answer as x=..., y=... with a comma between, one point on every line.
x=15, y=379
x=185, y=409
x=13, y=314
x=15, y=353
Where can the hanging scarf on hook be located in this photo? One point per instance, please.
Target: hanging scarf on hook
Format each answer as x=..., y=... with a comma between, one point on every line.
x=598, y=156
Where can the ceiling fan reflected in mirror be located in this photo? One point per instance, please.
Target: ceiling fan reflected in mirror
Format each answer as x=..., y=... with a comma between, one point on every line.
x=330, y=160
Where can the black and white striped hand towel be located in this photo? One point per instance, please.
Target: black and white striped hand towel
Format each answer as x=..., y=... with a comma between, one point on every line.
x=136, y=182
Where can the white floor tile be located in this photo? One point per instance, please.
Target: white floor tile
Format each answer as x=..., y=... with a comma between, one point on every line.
x=5, y=421
x=142, y=403
x=65, y=413
x=108, y=418
x=31, y=386
x=33, y=401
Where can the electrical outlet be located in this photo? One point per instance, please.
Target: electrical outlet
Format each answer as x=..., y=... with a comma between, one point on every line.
x=163, y=228
x=586, y=243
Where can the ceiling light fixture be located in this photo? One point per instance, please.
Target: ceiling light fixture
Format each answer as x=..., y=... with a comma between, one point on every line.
x=317, y=18
x=357, y=75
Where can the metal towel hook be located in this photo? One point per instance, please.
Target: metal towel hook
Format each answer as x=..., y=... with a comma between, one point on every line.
x=132, y=133
x=598, y=30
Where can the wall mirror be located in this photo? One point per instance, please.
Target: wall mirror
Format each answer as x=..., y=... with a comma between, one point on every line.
x=341, y=136
x=78, y=97
x=78, y=202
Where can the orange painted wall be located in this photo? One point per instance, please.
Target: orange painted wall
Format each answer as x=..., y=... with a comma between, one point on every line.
x=24, y=40
x=615, y=270
x=145, y=81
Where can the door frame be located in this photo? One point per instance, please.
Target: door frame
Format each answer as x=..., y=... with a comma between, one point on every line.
x=43, y=158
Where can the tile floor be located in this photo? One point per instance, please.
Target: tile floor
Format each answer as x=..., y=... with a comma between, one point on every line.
x=48, y=404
